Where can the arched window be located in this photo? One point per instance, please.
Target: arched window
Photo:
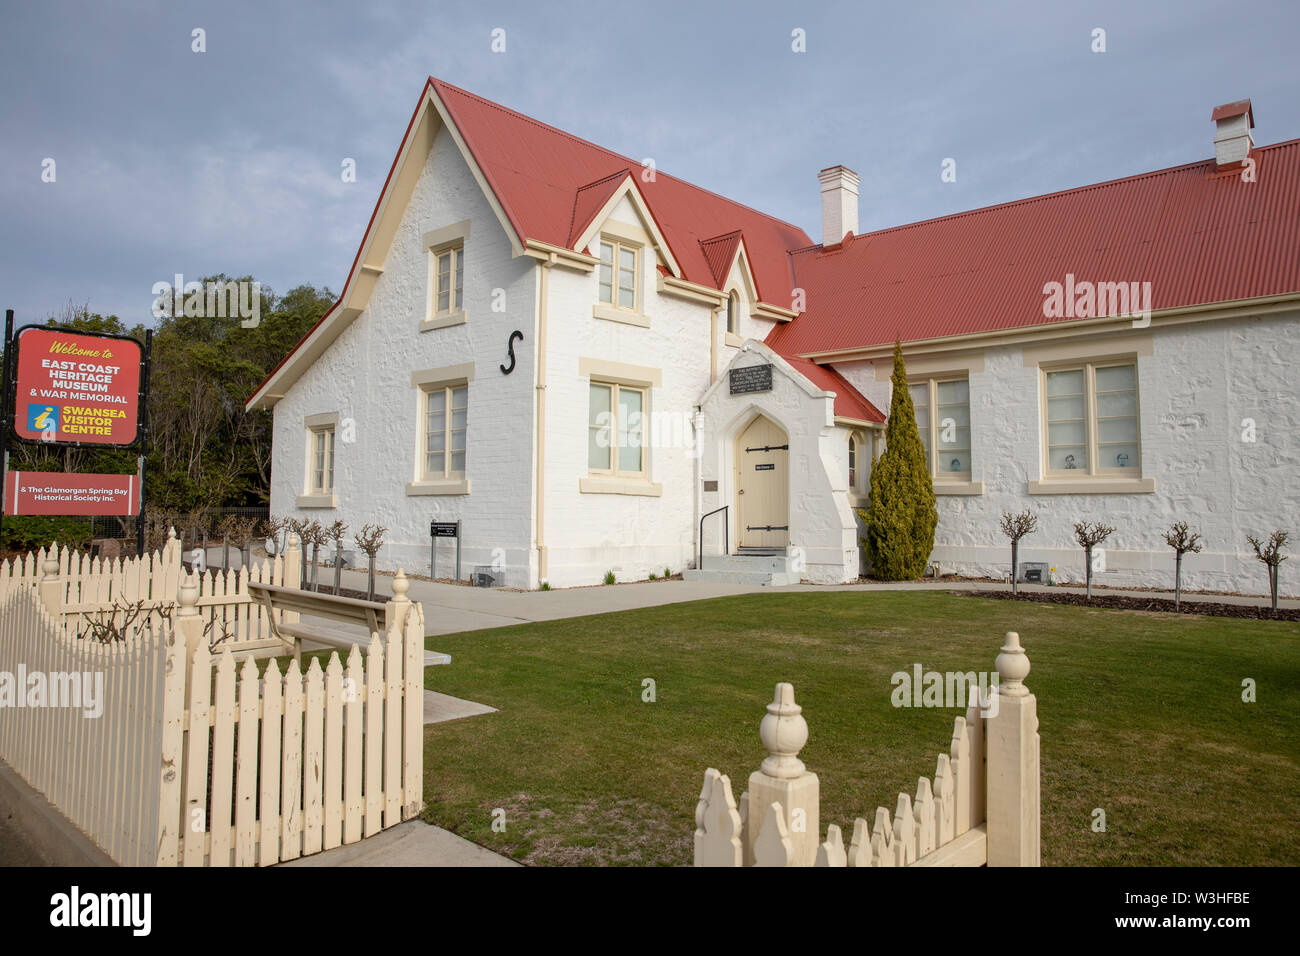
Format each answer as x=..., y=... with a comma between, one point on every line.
x=733, y=314
x=853, y=463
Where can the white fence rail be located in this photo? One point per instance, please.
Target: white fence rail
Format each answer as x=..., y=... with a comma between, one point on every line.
x=101, y=591
x=167, y=753
x=982, y=806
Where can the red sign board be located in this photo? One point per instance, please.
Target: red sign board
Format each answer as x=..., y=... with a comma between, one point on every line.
x=56, y=493
x=77, y=388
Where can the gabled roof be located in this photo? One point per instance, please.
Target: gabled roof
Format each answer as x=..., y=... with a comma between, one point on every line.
x=849, y=402
x=588, y=201
x=537, y=171
x=1197, y=235
x=720, y=253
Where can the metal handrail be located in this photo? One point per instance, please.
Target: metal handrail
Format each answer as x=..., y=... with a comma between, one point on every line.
x=726, y=537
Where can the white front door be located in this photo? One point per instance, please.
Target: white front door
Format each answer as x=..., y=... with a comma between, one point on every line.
x=762, y=486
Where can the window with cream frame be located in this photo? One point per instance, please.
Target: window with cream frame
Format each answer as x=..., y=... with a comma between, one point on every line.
x=1091, y=420
x=615, y=430
x=320, y=460
x=445, y=424
x=943, y=421
x=446, y=280
x=619, y=273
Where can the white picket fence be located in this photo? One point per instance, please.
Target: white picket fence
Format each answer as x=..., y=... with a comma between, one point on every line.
x=100, y=771
x=197, y=761
x=93, y=589
x=982, y=807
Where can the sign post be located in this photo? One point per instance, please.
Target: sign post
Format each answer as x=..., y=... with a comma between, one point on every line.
x=76, y=390
x=442, y=529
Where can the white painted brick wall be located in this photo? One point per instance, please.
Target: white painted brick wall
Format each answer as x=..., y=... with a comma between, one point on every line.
x=1195, y=389
x=365, y=375
x=633, y=536
x=822, y=526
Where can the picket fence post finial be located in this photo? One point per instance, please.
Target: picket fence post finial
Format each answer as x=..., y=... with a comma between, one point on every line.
x=187, y=596
x=783, y=732
x=1013, y=667
x=400, y=585
x=50, y=586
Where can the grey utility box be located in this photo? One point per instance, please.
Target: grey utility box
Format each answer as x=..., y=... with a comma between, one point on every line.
x=1033, y=572
x=485, y=576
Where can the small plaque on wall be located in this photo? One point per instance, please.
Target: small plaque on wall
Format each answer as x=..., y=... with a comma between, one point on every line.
x=751, y=378
x=710, y=486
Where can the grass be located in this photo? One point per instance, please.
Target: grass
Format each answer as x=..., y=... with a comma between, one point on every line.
x=1140, y=714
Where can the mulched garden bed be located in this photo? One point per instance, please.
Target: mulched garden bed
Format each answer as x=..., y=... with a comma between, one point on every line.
x=346, y=592
x=1125, y=603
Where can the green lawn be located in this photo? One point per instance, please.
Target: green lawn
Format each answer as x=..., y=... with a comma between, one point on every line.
x=1140, y=714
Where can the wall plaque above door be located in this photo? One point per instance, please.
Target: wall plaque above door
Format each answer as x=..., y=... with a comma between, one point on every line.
x=751, y=378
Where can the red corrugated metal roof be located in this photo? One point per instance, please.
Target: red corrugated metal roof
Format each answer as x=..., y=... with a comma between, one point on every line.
x=588, y=201
x=536, y=171
x=1197, y=235
x=719, y=253
x=849, y=402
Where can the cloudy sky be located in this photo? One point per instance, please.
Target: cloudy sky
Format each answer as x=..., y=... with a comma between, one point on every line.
x=168, y=160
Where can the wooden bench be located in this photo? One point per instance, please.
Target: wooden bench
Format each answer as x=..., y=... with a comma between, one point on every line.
x=277, y=600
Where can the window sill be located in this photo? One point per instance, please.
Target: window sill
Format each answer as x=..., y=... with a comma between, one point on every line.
x=443, y=321
x=1092, y=486
x=601, y=485
x=451, y=486
x=317, y=501
x=959, y=487
x=612, y=313
x=732, y=339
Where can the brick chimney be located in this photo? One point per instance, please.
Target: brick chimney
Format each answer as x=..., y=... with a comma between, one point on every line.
x=839, y=203
x=1232, y=125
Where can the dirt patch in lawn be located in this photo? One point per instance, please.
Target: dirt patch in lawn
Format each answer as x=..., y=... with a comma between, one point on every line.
x=1135, y=603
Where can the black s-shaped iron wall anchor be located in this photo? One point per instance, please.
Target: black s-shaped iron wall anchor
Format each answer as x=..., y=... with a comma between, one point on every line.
x=510, y=350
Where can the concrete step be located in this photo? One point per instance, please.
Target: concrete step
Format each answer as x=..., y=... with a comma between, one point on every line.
x=778, y=562
x=750, y=578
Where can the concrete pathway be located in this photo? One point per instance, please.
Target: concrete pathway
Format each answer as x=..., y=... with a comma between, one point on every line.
x=443, y=707
x=449, y=608
x=413, y=843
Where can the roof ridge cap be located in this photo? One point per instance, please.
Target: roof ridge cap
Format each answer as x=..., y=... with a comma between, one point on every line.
x=1026, y=200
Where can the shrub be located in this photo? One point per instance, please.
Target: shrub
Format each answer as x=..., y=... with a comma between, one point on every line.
x=653, y=577
x=901, y=516
x=609, y=577
x=30, y=532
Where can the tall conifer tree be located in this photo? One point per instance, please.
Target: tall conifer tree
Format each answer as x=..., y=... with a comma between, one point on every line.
x=901, y=516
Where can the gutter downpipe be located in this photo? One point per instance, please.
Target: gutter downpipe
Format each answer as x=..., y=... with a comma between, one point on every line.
x=539, y=532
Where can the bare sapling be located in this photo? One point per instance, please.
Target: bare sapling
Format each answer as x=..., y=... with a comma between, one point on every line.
x=370, y=539
x=1183, y=542
x=1270, y=554
x=335, y=532
x=1016, y=527
x=1089, y=535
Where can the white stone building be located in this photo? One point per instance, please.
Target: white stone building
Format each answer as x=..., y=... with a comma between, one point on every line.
x=584, y=361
